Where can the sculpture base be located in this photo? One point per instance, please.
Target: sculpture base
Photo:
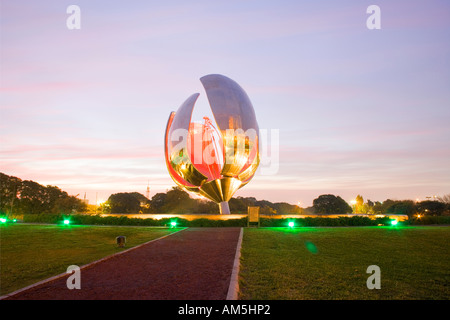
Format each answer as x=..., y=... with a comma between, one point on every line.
x=224, y=207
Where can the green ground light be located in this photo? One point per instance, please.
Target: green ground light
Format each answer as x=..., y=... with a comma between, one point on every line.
x=173, y=224
x=394, y=222
x=291, y=224
x=66, y=222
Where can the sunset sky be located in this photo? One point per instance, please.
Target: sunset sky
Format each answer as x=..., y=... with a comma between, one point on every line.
x=358, y=111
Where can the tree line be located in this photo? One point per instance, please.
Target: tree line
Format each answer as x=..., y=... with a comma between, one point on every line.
x=178, y=201
x=25, y=196
x=331, y=203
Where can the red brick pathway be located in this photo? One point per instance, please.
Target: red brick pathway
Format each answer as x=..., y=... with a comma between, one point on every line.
x=193, y=264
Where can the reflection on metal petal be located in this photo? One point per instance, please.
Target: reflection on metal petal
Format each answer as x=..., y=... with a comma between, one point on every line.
x=235, y=117
x=252, y=159
x=178, y=156
x=175, y=176
x=236, y=152
x=246, y=175
x=229, y=103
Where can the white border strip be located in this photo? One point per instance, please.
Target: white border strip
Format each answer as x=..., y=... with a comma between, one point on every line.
x=233, y=289
x=85, y=266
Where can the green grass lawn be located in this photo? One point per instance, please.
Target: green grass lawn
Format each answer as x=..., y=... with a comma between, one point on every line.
x=331, y=263
x=30, y=253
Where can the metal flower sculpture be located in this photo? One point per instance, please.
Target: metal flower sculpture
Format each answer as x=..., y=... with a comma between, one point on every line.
x=214, y=161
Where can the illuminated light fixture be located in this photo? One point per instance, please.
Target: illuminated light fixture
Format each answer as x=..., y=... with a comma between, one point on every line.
x=66, y=222
x=394, y=222
x=3, y=220
x=173, y=224
x=291, y=224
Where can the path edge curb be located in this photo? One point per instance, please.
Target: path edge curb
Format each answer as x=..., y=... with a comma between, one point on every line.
x=233, y=288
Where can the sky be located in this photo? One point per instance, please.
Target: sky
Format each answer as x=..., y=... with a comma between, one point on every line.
x=347, y=110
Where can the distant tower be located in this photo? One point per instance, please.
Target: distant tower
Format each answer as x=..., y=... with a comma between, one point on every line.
x=147, y=193
x=85, y=200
